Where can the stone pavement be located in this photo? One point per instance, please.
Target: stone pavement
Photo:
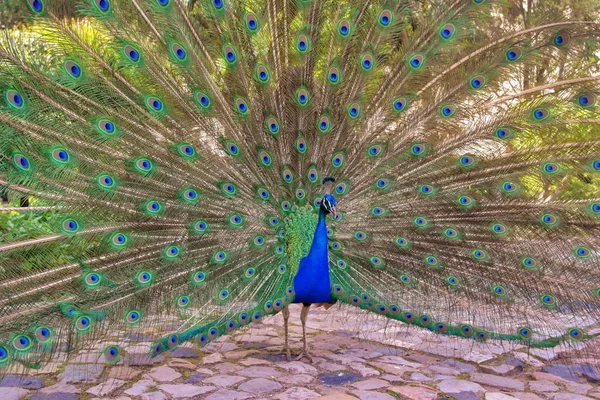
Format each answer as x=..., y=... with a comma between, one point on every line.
x=356, y=355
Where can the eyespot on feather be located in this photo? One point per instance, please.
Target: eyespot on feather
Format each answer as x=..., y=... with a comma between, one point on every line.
x=143, y=278
x=400, y=104
x=182, y=301
x=60, y=156
x=548, y=300
x=241, y=106
x=21, y=343
x=302, y=97
x=112, y=354
x=262, y=74
x=540, y=114
x=586, y=100
x=478, y=82
x=324, y=124
x=419, y=149
x=73, y=69
x=272, y=125
x=504, y=133
x=199, y=227
x=251, y=22
x=466, y=330
x=385, y=18
x=104, y=6
x=202, y=100
x=416, y=62
x=403, y=243
x=21, y=162
x=561, y=39
x=287, y=175
x=178, y=52
x=37, y=7
x=231, y=148
x=224, y=294
x=447, y=31
x=301, y=145
x=218, y=4
x=344, y=28
x=92, y=280
x=338, y=159
x=513, y=54
x=172, y=252
x=15, y=99
x=133, y=317
x=186, y=151
x=198, y=278
x=230, y=55
x=375, y=150
x=529, y=263
x=313, y=174
x=70, y=226
x=83, y=323
x=524, y=333
x=583, y=253
x=367, y=62
x=334, y=75
x=303, y=44
x=132, y=53
x=154, y=104
x=354, y=110
x=448, y=111
x=575, y=334
x=43, y=334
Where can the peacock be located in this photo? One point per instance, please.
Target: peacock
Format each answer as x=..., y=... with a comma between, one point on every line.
x=200, y=165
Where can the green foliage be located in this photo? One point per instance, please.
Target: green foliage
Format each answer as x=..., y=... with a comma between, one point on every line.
x=12, y=12
x=15, y=13
x=567, y=185
x=15, y=226
x=23, y=225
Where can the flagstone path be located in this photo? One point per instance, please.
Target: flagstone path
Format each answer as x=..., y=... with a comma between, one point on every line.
x=356, y=356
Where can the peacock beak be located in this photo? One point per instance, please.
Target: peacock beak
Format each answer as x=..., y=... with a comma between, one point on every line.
x=333, y=212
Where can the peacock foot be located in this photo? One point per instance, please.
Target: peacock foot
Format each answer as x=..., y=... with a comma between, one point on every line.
x=304, y=353
x=287, y=352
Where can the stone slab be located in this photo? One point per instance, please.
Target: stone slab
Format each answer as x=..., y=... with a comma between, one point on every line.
x=260, y=386
x=24, y=382
x=185, y=391
x=82, y=373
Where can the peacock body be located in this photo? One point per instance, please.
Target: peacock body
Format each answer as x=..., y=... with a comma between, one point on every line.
x=182, y=156
x=312, y=283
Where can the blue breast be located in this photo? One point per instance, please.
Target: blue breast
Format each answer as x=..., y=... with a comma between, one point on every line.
x=312, y=282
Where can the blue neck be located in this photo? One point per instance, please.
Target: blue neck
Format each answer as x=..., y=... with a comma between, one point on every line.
x=319, y=244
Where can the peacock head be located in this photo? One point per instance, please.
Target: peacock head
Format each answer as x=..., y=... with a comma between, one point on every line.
x=328, y=203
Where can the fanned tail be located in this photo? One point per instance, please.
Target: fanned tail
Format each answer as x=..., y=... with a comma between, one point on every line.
x=162, y=149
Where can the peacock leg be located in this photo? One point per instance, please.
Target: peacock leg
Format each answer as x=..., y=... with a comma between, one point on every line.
x=303, y=316
x=286, y=346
